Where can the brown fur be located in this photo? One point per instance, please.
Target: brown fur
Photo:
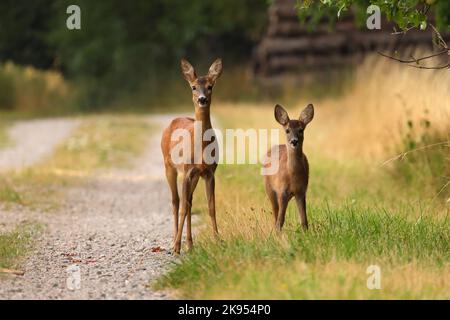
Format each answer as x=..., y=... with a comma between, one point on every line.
x=291, y=179
x=191, y=172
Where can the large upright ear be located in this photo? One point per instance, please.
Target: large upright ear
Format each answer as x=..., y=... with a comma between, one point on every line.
x=215, y=70
x=281, y=115
x=307, y=114
x=188, y=71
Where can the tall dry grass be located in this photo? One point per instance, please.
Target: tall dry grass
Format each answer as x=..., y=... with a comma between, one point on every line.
x=369, y=120
x=393, y=117
x=374, y=116
x=28, y=90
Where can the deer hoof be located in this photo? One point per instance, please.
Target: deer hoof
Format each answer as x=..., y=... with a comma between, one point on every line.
x=177, y=248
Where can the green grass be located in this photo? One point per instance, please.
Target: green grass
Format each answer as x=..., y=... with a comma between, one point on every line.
x=15, y=244
x=10, y=195
x=342, y=233
x=355, y=232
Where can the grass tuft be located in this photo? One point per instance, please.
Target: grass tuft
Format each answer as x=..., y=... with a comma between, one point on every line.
x=15, y=244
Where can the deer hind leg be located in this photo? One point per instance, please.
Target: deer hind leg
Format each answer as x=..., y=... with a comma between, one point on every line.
x=282, y=206
x=301, y=204
x=185, y=205
x=210, y=185
x=171, y=174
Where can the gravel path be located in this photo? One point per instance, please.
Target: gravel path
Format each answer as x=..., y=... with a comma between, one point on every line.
x=32, y=140
x=113, y=235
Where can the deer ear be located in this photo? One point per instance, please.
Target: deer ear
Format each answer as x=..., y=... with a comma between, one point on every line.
x=188, y=71
x=215, y=70
x=307, y=114
x=281, y=115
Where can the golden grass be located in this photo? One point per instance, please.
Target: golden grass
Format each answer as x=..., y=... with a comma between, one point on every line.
x=388, y=106
x=32, y=91
x=371, y=119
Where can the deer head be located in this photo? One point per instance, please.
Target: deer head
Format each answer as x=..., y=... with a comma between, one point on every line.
x=294, y=128
x=201, y=86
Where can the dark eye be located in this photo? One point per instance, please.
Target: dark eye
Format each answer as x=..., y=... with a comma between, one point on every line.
x=194, y=88
x=209, y=88
x=287, y=131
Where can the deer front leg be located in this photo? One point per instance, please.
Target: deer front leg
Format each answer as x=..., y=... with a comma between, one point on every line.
x=210, y=185
x=171, y=174
x=283, y=200
x=185, y=206
x=301, y=204
x=190, y=242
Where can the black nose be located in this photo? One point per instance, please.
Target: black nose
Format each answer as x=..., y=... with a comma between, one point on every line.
x=294, y=143
x=202, y=100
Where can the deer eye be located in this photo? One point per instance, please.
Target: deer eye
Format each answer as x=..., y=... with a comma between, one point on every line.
x=194, y=88
x=287, y=130
x=210, y=88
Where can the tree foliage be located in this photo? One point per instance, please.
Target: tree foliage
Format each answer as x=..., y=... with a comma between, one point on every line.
x=123, y=43
x=24, y=26
x=406, y=14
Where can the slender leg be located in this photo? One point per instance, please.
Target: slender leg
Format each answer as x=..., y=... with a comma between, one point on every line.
x=273, y=200
x=185, y=193
x=282, y=202
x=171, y=174
x=190, y=242
x=210, y=195
x=301, y=204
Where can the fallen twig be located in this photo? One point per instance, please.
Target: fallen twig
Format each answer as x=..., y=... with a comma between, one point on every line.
x=12, y=271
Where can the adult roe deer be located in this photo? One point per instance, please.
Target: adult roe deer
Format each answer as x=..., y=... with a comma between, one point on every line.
x=192, y=169
x=291, y=179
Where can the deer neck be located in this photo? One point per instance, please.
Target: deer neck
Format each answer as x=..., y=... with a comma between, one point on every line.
x=202, y=115
x=294, y=159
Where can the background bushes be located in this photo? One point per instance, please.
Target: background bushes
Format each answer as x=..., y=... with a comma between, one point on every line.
x=125, y=47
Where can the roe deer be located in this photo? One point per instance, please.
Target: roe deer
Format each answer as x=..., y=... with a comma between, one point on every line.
x=192, y=169
x=291, y=179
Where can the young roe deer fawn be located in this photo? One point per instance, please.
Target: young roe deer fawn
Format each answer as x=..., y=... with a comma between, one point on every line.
x=291, y=179
x=191, y=169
